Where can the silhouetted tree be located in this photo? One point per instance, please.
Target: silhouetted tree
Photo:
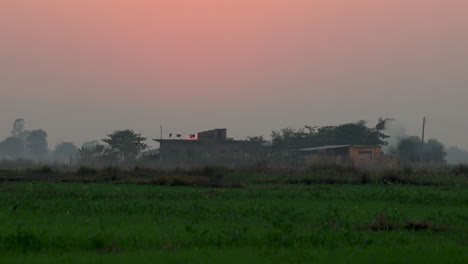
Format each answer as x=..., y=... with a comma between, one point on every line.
x=12, y=147
x=126, y=144
x=91, y=153
x=434, y=151
x=65, y=151
x=353, y=133
x=383, y=122
x=36, y=144
x=18, y=130
x=257, y=139
x=410, y=149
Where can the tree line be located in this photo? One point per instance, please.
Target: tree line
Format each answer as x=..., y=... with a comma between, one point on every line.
x=124, y=146
x=358, y=133
x=128, y=147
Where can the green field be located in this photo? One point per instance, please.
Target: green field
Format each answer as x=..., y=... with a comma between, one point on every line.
x=125, y=223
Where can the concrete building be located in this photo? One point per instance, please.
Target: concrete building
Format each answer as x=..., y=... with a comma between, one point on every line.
x=207, y=148
x=346, y=155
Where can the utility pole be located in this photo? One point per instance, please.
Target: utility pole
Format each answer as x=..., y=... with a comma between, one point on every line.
x=422, y=140
x=160, y=144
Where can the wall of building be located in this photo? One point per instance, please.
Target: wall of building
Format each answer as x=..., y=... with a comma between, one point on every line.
x=215, y=134
x=199, y=153
x=356, y=156
x=365, y=156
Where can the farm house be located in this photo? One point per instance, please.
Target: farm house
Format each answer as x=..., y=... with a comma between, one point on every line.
x=208, y=148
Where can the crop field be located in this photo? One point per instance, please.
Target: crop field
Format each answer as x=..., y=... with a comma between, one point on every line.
x=258, y=223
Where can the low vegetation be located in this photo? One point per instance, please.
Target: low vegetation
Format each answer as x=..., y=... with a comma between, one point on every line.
x=223, y=177
x=274, y=223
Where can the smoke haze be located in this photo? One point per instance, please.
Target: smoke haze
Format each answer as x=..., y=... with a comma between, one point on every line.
x=396, y=132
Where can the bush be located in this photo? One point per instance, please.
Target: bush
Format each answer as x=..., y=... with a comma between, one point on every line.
x=393, y=176
x=461, y=169
x=86, y=171
x=16, y=164
x=44, y=170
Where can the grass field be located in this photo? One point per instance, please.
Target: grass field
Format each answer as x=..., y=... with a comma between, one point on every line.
x=258, y=223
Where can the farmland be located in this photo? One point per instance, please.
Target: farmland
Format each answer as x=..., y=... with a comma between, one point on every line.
x=79, y=222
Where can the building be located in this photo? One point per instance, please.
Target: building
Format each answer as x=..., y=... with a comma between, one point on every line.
x=207, y=148
x=346, y=155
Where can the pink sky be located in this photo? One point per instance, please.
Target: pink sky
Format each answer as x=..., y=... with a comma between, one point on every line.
x=80, y=69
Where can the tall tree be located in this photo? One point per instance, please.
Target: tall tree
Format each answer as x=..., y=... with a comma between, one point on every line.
x=126, y=144
x=36, y=144
x=18, y=129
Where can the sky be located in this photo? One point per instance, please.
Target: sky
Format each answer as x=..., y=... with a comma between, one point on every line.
x=80, y=69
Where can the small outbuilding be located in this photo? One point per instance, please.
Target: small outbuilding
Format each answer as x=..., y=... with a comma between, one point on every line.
x=346, y=155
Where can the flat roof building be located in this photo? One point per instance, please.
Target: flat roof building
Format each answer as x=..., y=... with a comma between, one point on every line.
x=346, y=155
x=207, y=148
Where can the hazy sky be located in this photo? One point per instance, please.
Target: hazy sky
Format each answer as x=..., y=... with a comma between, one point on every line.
x=82, y=68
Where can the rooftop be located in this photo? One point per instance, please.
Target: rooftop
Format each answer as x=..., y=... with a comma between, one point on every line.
x=335, y=147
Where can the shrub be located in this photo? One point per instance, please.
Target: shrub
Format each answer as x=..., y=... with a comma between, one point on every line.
x=44, y=170
x=461, y=169
x=21, y=241
x=161, y=180
x=112, y=173
x=393, y=176
x=179, y=181
x=86, y=171
x=16, y=164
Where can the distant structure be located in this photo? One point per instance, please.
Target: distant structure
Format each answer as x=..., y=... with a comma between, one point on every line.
x=345, y=155
x=207, y=148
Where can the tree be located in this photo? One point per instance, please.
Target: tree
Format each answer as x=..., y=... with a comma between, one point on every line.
x=12, y=147
x=456, y=155
x=434, y=151
x=257, y=139
x=18, y=129
x=126, y=144
x=91, y=153
x=383, y=123
x=90, y=144
x=36, y=144
x=410, y=149
x=352, y=133
x=65, y=151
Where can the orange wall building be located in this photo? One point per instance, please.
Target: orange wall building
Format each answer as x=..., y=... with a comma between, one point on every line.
x=347, y=155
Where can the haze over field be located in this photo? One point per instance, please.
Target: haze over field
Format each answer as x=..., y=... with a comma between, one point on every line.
x=80, y=69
